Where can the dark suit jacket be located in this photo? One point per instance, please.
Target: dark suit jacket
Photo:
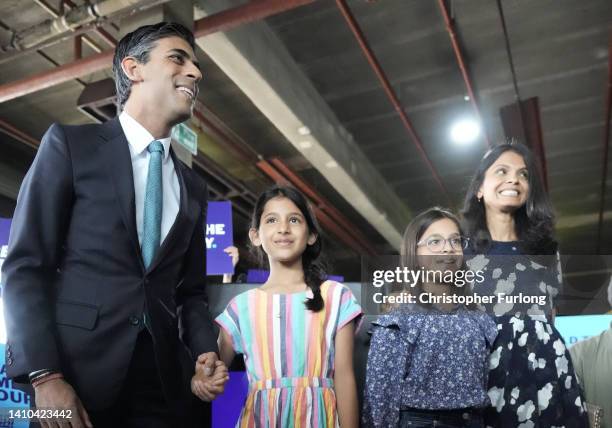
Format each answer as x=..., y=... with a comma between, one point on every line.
x=74, y=280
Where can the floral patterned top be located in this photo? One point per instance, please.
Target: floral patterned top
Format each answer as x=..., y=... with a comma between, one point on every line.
x=426, y=359
x=507, y=271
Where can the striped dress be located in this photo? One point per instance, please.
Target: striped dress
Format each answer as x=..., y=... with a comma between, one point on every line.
x=289, y=354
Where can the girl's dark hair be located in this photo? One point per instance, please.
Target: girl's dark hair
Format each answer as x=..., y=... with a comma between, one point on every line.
x=534, y=220
x=314, y=271
x=414, y=233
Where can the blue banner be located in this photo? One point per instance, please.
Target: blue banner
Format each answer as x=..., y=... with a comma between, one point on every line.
x=10, y=397
x=219, y=236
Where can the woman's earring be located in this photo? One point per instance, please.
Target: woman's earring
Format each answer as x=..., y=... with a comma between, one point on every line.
x=479, y=200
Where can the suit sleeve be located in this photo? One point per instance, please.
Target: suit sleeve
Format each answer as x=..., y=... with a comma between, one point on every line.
x=34, y=255
x=198, y=330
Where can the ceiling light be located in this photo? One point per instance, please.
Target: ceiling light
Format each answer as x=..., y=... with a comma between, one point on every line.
x=465, y=131
x=305, y=144
x=331, y=164
x=303, y=130
x=466, y=98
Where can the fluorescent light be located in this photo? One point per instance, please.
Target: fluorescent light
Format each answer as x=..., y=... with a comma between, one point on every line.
x=465, y=131
x=305, y=144
x=303, y=130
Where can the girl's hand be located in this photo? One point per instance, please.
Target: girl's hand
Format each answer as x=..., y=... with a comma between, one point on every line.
x=207, y=388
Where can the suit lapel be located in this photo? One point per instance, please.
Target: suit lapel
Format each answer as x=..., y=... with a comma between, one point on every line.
x=116, y=156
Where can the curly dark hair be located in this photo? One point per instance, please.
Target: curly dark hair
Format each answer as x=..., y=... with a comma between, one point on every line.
x=314, y=268
x=534, y=221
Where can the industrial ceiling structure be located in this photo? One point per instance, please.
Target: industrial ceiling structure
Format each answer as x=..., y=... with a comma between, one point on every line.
x=352, y=101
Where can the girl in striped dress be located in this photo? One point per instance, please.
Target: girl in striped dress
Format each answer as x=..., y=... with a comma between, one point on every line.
x=295, y=331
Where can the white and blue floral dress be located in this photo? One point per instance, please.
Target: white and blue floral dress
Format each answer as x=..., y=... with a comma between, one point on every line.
x=531, y=380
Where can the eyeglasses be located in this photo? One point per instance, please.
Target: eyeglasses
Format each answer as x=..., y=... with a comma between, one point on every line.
x=436, y=243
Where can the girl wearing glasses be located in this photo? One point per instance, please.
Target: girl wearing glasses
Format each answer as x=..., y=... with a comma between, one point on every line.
x=427, y=364
x=509, y=219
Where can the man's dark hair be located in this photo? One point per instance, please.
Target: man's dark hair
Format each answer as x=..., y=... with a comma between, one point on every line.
x=139, y=44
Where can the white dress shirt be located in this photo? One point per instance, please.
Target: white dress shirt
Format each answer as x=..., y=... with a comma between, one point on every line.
x=138, y=140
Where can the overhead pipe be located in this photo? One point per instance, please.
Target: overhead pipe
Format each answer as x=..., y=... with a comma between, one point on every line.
x=47, y=7
x=104, y=35
x=82, y=30
x=450, y=28
x=225, y=20
x=68, y=22
x=606, y=145
x=376, y=67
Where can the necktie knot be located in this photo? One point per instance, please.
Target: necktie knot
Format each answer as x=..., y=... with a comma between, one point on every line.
x=156, y=146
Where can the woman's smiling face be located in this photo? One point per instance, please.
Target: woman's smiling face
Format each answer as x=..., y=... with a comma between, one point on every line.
x=505, y=186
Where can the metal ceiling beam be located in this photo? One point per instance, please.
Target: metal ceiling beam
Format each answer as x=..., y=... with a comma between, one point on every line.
x=606, y=146
x=517, y=95
x=450, y=27
x=221, y=21
x=18, y=135
x=258, y=62
x=376, y=67
x=250, y=12
x=61, y=74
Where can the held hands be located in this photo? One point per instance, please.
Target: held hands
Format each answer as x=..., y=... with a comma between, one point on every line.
x=58, y=394
x=210, y=377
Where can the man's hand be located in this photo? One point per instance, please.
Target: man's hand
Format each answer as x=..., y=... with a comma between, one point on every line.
x=207, y=388
x=206, y=384
x=57, y=394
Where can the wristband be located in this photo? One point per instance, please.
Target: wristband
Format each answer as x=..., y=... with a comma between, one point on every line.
x=46, y=378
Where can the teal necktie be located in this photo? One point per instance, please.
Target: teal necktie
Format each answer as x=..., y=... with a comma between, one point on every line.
x=151, y=225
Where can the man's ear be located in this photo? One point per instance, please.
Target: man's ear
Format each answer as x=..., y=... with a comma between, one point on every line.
x=254, y=237
x=312, y=238
x=132, y=68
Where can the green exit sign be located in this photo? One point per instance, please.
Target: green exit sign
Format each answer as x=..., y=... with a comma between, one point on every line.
x=186, y=137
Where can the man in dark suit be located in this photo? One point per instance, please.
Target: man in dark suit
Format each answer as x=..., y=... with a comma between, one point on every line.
x=104, y=282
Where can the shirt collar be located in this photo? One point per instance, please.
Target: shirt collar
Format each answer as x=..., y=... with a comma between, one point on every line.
x=138, y=137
